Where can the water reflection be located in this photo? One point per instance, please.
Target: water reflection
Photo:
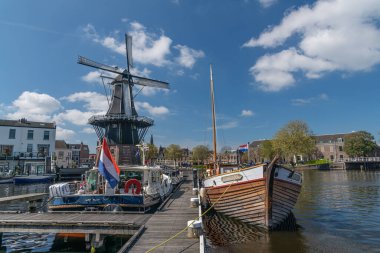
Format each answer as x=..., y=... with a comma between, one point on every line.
x=338, y=211
x=48, y=242
x=7, y=190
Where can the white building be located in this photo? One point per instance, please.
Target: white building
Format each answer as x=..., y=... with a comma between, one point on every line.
x=27, y=145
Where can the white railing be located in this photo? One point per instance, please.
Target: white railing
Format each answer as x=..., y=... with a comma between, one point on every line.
x=360, y=159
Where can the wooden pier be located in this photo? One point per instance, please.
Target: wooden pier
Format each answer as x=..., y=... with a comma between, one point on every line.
x=171, y=219
x=74, y=222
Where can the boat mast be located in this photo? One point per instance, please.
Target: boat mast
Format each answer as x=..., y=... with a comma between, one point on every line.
x=213, y=119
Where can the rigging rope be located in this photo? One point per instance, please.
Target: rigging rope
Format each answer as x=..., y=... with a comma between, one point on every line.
x=183, y=230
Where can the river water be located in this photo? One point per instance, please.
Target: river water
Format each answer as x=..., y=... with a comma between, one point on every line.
x=337, y=211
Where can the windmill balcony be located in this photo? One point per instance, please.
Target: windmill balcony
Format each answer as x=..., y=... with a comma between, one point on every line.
x=101, y=120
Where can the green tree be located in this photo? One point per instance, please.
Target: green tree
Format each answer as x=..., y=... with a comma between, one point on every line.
x=200, y=153
x=173, y=152
x=293, y=139
x=266, y=150
x=151, y=153
x=359, y=144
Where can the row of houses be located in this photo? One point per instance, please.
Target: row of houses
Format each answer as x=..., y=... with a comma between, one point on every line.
x=328, y=146
x=30, y=147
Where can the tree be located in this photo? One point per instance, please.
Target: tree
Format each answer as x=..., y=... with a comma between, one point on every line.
x=293, y=139
x=359, y=144
x=200, y=153
x=173, y=152
x=225, y=149
x=266, y=150
x=151, y=153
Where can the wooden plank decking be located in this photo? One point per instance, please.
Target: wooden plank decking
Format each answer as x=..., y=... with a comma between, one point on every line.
x=75, y=222
x=170, y=220
x=23, y=198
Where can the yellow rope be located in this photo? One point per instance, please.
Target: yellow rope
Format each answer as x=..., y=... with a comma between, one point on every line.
x=183, y=230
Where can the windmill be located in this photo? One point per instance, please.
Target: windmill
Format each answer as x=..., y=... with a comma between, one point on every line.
x=121, y=125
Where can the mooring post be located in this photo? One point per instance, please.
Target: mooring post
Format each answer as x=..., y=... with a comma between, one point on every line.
x=195, y=178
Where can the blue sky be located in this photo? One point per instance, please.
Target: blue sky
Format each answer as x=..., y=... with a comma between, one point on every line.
x=273, y=61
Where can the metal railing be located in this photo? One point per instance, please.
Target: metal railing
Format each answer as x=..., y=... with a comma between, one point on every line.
x=23, y=155
x=360, y=159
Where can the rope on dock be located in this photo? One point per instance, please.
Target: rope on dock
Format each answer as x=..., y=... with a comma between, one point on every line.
x=183, y=230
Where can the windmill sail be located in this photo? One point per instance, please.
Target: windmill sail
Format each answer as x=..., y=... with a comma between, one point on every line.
x=128, y=47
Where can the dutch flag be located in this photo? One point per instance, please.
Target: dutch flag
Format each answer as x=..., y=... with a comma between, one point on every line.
x=243, y=148
x=107, y=166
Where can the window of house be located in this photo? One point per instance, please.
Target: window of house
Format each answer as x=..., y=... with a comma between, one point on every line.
x=340, y=148
x=60, y=155
x=341, y=156
x=29, y=148
x=331, y=157
x=30, y=135
x=6, y=150
x=12, y=133
x=46, y=135
x=43, y=150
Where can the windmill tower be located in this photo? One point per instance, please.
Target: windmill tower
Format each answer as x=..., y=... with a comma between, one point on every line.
x=121, y=125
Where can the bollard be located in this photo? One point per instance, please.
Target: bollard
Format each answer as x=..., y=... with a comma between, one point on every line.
x=194, y=230
x=195, y=191
x=194, y=202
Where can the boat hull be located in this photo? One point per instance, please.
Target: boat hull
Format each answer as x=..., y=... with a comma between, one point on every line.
x=99, y=202
x=32, y=179
x=254, y=198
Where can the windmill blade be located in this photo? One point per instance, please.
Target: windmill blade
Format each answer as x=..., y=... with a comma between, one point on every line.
x=84, y=61
x=150, y=82
x=128, y=48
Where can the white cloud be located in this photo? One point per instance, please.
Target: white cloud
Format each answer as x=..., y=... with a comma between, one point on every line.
x=267, y=3
x=246, y=113
x=64, y=134
x=152, y=110
x=305, y=101
x=275, y=72
x=147, y=47
x=74, y=116
x=92, y=77
x=333, y=35
x=228, y=125
x=34, y=106
x=188, y=56
x=88, y=130
x=94, y=102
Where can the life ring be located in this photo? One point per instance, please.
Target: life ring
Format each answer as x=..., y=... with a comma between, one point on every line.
x=134, y=182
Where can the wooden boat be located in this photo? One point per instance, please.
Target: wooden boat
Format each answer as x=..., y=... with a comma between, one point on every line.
x=262, y=195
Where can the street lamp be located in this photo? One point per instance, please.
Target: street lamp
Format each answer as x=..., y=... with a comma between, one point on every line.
x=144, y=147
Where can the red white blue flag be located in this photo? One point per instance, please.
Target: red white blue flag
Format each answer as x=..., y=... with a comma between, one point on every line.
x=243, y=148
x=107, y=166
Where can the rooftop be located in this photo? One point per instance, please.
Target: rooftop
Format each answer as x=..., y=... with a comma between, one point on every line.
x=25, y=123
